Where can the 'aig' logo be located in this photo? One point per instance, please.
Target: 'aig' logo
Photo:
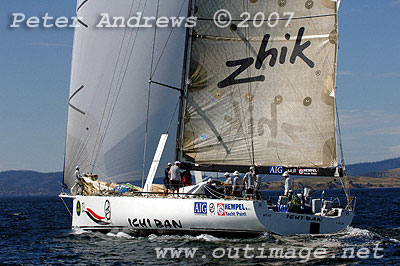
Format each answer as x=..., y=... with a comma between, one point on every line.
x=200, y=208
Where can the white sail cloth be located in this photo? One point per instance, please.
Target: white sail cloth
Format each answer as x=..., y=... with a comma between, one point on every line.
x=109, y=91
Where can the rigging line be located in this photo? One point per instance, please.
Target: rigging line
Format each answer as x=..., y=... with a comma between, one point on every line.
x=149, y=95
x=346, y=185
x=105, y=176
x=166, y=43
x=338, y=129
x=172, y=117
x=251, y=106
x=166, y=85
x=120, y=86
x=99, y=137
x=66, y=206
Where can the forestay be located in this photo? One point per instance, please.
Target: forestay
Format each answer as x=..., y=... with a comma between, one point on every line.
x=263, y=95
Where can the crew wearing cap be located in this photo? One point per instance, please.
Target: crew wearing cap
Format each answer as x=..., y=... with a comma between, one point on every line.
x=228, y=184
x=288, y=183
x=175, y=177
x=257, y=184
x=77, y=189
x=236, y=185
x=248, y=182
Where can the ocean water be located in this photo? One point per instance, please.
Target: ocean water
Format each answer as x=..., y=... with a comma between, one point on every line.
x=36, y=231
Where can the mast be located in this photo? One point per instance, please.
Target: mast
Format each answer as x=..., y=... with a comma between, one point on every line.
x=183, y=92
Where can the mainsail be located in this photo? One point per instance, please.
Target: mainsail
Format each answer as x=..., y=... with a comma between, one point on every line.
x=111, y=105
x=263, y=95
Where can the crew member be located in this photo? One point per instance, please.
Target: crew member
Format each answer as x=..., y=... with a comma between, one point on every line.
x=167, y=177
x=288, y=183
x=78, y=187
x=187, y=178
x=248, y=182
x=175, y=177
x=257, y=185
x=227, y=184
x=236, y=186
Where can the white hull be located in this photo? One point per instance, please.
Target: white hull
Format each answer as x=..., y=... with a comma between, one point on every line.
x=145, y=215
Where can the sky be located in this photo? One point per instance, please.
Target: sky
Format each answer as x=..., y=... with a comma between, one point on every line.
x=35, y=73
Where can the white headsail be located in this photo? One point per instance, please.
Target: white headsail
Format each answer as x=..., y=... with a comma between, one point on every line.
x=263, y=95
x=110, y=92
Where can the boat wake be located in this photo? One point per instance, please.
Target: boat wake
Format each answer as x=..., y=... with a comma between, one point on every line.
x=120, y=235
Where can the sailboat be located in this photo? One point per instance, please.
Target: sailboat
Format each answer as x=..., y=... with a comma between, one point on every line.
x=257, y=91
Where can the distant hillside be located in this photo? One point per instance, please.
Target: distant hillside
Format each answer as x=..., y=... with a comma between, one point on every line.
x=386, y=174
x=331, y=183
x=370, y=169
x=29, y=183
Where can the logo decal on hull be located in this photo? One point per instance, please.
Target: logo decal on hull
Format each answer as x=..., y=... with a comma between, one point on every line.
x=107, y=210
x=200, y=208
x=102, y=220
x=231, y=209
x=220, y=209
x=78, y=208
x=212, y=208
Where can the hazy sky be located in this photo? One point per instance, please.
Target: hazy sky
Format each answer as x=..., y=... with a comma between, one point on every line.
x=35, y=71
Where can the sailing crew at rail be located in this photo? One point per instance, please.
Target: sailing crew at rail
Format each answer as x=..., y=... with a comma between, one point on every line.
x=236, y=185
x=186, y=178
x=288, y=183
x=248, y=182
x=78, y=187
x=227, y=184
x=175, y=177
x=257, y=185
x=167, y=178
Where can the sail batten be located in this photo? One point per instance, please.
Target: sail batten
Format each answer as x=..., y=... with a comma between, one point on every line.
x=263, y=95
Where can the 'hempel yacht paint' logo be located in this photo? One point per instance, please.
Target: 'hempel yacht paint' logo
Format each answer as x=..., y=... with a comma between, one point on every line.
x=231, y=209
x=221, y=209
x=200, y=208
x=263, y=54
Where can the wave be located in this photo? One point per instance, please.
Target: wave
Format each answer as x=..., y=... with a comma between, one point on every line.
x=120, y=235
x=357, y=232
x=202, y=237
x=79, y=231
